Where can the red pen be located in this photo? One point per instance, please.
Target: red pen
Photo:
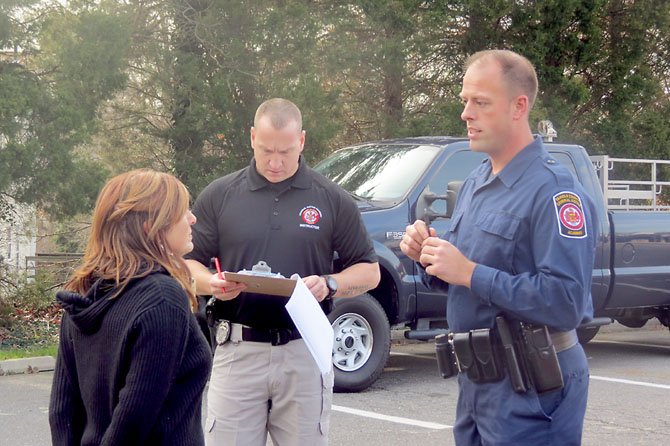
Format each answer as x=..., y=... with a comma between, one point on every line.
x=218, y=270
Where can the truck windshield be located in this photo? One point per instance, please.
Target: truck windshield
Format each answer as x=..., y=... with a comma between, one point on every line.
x=378, y=172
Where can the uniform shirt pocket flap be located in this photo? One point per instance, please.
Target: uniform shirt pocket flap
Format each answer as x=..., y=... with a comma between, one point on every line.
x=502, y=224
x=455, y=219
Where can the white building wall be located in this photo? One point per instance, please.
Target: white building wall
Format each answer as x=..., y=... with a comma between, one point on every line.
x=18, y=238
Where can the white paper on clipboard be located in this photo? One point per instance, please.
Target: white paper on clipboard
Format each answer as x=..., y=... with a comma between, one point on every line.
x=312, y=324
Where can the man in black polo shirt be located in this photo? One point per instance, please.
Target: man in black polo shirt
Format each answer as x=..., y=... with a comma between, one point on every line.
x=280, y=211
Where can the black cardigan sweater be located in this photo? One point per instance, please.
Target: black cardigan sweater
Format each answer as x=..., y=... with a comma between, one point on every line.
x=130, y=370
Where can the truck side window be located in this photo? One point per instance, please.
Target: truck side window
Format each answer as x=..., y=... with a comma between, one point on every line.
x=565, y=161
x=456, y=168
x=459, y=165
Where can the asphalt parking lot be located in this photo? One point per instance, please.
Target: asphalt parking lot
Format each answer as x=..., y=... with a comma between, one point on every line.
x=629, y=390
x=411, y=405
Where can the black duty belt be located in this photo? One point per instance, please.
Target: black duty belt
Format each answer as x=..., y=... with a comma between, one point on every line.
x=238, y=332
x=524, y=352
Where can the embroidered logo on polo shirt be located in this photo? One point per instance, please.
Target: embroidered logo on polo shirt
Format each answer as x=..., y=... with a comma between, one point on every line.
x=310, y=215
x=570, y=215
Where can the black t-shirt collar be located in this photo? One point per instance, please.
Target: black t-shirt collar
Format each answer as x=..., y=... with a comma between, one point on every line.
x=300, y=179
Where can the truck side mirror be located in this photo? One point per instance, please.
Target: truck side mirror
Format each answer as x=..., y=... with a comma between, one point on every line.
x=424, y=209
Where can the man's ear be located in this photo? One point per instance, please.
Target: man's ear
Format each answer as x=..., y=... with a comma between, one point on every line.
x=520, y=107
x=252, y=136
x=302, y=140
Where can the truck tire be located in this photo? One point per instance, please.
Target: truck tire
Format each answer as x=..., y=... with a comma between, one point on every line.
x=632, y=322
x=361, y=344
x=586, y=334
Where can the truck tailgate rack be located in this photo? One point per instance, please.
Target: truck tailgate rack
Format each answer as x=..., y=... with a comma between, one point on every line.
x=634, y=184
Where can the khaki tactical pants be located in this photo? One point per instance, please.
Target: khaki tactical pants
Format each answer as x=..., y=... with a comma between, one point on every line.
x=257, y=388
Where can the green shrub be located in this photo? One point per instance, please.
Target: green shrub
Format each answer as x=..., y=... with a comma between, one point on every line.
x=18, y=291
x=29, y=315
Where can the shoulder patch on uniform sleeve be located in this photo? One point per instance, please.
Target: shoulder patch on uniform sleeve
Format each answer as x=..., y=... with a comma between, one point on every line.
x=570, y=215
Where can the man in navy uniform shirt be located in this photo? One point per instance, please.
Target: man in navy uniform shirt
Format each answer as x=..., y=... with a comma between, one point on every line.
x=521, y=244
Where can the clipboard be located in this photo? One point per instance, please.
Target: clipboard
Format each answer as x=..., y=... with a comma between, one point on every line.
x=263, y=284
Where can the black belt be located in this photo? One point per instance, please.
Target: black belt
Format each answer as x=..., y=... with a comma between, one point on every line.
x=275, y=336
x=527, y=356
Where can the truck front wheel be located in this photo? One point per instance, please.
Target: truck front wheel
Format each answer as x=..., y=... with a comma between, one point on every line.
x=362, y=342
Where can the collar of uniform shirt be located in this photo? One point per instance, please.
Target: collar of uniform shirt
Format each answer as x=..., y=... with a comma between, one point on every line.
x=300, y=180
x=518, y=165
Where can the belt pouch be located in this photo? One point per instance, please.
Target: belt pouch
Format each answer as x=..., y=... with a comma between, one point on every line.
x=543, y=363
x=465, y=355
x=446, y=360
x=487, y=362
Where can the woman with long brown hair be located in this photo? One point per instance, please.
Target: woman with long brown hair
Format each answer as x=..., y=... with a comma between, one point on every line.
x=132, y=362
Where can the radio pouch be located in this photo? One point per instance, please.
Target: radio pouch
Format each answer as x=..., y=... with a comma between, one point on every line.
x=543, y=366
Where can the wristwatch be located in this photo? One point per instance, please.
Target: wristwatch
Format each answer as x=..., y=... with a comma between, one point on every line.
x=331, y=283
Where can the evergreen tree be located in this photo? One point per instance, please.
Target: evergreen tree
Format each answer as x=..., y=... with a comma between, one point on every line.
x=56, y=69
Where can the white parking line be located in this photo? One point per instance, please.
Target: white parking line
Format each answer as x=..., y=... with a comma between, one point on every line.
x=634, y=383
x=392, y=419
x=635, y=344
x=413, y=355
x=438, y=426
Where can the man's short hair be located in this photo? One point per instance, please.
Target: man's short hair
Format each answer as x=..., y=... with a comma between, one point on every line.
x=280, y=111
x=517, y=71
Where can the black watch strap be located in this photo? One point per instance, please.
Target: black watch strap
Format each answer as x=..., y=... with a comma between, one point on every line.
x=331, y=283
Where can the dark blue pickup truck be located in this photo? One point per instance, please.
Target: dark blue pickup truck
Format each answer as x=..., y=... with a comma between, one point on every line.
x=398, y=181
